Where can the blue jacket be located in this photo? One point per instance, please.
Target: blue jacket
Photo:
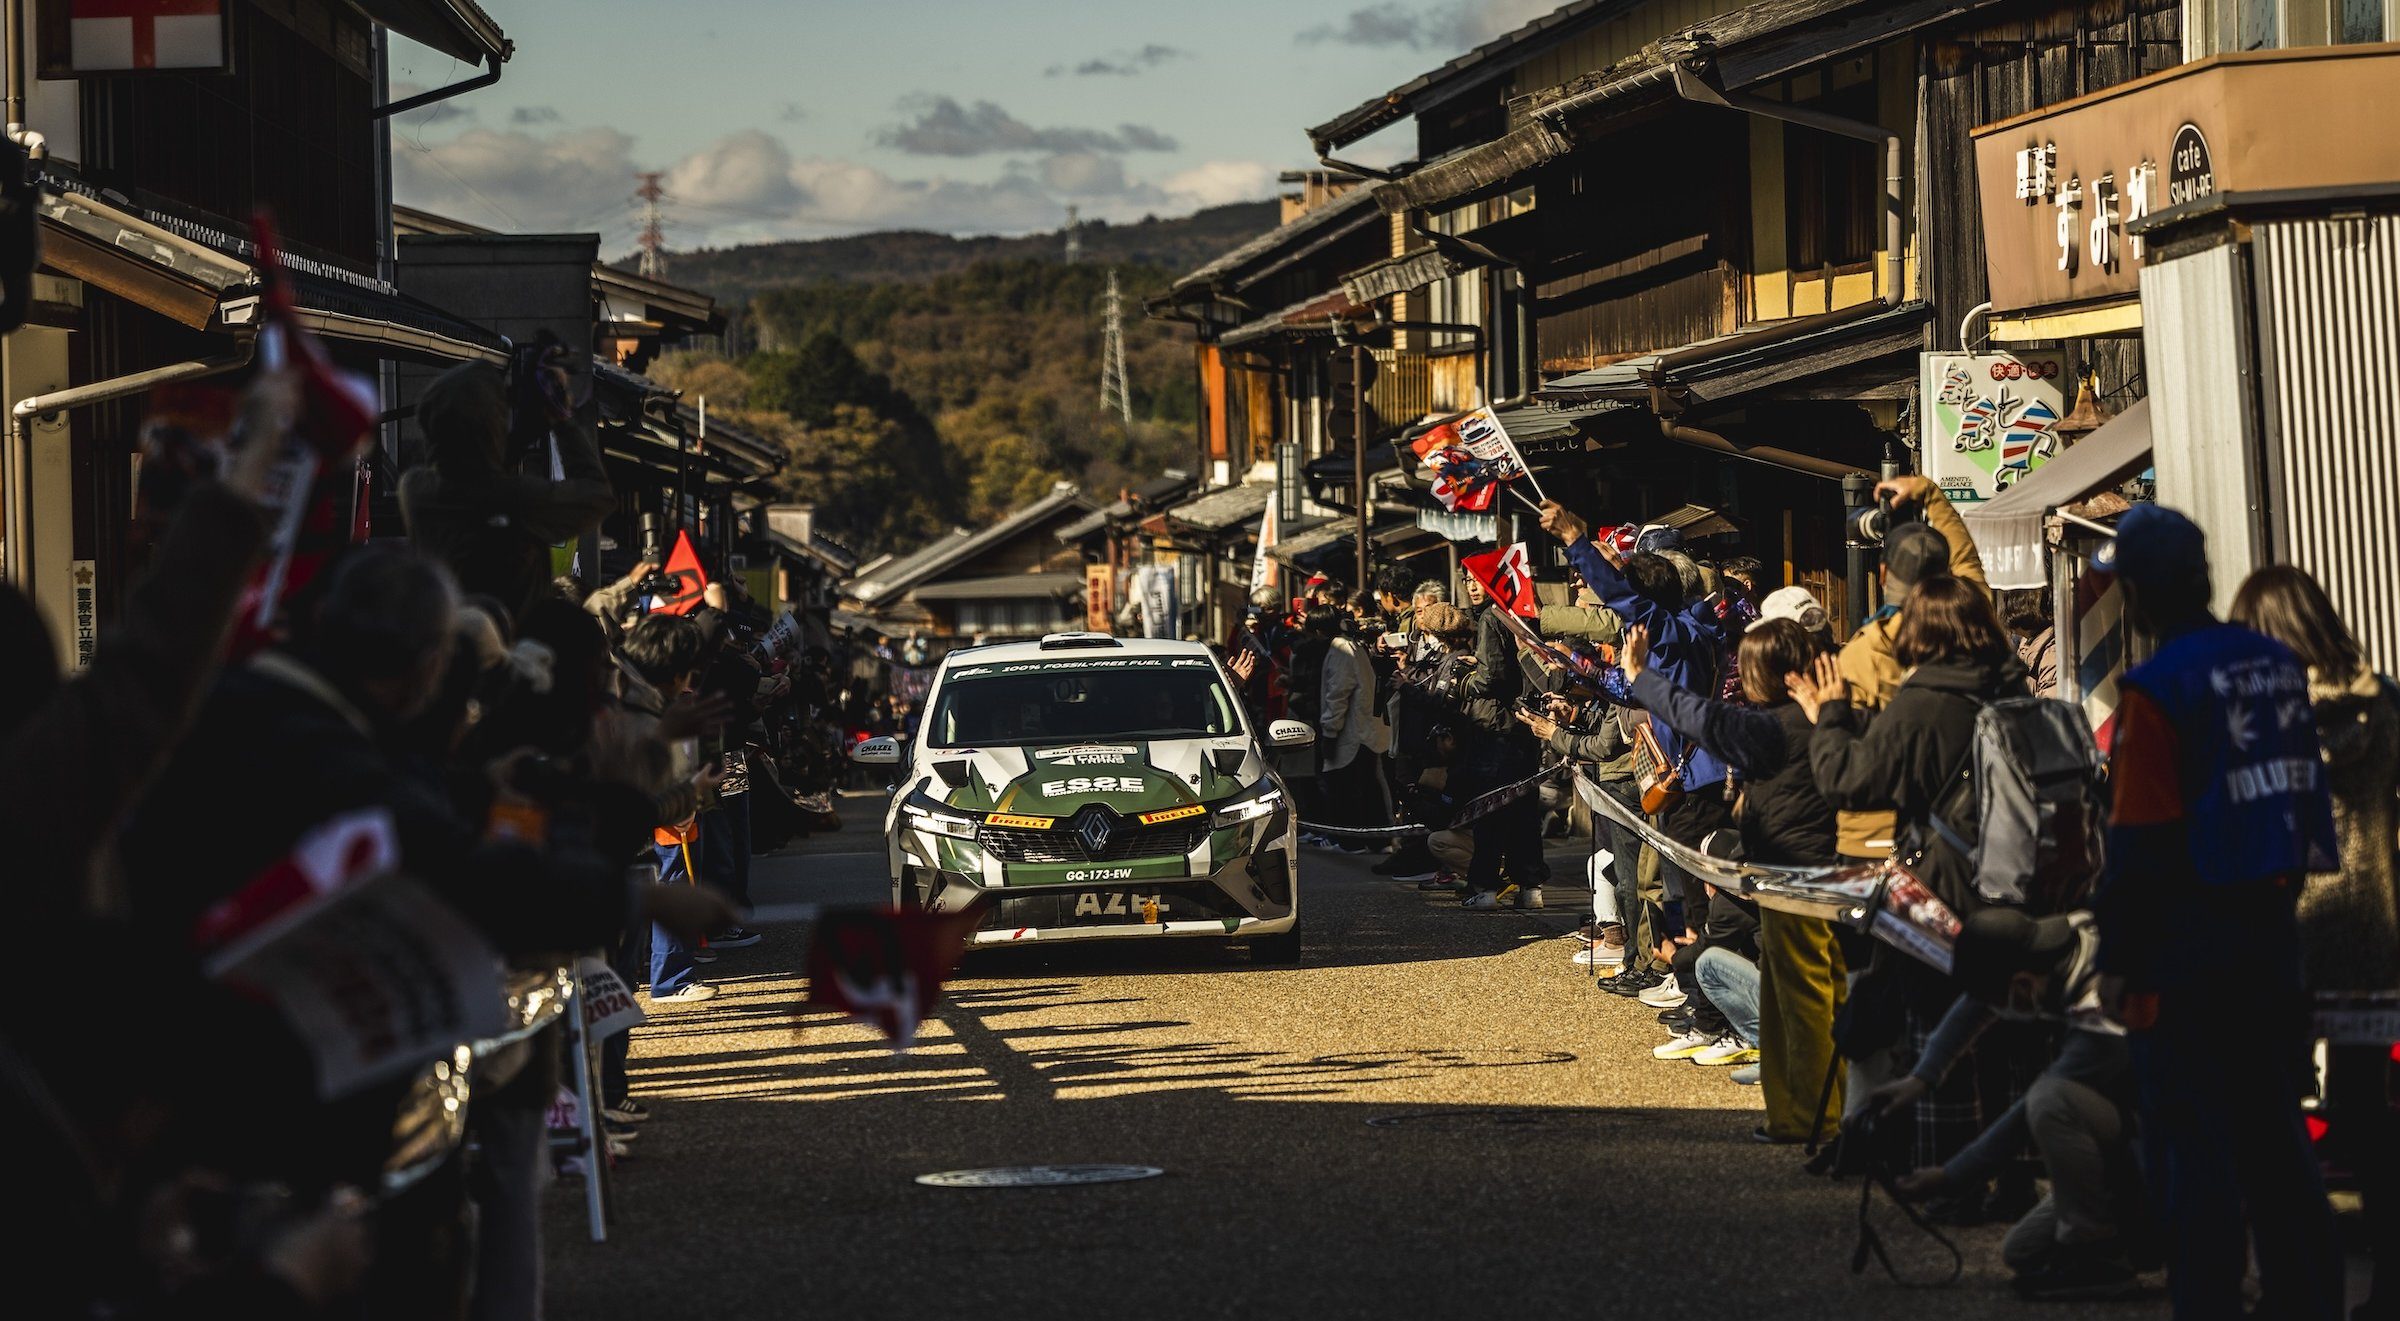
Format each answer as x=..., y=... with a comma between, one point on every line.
x=1684, y=648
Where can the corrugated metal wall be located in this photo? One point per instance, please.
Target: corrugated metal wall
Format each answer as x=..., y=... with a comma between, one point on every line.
x=2329, y=323
x=2201, y=434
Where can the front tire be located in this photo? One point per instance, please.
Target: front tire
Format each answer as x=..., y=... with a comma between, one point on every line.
x=1283, y=947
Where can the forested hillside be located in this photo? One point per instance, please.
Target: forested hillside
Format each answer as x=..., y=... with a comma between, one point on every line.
x=911, y=406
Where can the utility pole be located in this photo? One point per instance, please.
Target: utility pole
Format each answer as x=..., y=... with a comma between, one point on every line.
x=1116, y=391
x=1074, y=235
x=653, y=238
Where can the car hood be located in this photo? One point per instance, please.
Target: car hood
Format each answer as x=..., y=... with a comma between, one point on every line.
x=1130, y=777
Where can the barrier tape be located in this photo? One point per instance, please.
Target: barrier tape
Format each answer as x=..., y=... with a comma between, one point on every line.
x=1477, y=808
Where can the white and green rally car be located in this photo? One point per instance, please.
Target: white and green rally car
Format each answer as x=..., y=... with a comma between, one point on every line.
x=1094, y=788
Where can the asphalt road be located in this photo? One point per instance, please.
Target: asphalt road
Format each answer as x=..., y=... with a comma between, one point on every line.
x=1434, y=1114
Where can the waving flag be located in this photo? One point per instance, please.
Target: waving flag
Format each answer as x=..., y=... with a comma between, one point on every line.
x=886, y=965
x=1470, y=457
x=683, y=565
x=1507, y=575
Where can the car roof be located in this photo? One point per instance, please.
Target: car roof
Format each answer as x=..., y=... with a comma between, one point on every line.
x=1076, y=647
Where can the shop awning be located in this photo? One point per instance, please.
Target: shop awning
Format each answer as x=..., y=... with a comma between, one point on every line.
x=1405, y=273
x=1719, y=371
x=1005, y=587
x=200, y=286
x=1546, y=425
x=1224, y=508
x=2008, y=529
x=1314, y=315
x=1698, y=521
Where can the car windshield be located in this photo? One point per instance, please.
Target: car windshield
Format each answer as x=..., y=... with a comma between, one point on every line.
x=1049, y=702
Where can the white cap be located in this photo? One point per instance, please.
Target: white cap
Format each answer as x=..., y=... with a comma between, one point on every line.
x=1792, y=603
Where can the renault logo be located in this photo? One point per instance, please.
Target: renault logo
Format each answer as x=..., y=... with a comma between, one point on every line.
x=1093, y=827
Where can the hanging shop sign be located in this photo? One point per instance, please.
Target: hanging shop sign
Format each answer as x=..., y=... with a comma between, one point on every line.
x=1989, y=419
x=2062, y=189
x=84, y=37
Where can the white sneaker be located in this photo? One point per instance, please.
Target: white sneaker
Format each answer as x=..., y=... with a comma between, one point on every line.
x=1529, y=897
x=690, y=993
x=1665, y=995
x=1727, y=1049
x=1481, y=900
x=1683, y=1047
x=1604, y=956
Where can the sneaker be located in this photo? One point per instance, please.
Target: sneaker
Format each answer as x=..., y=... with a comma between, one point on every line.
x=1481, y=901
x=1665, y=995
x=1599, y=956
x=1745, y=1076
x=1683, y=1047
x=620, y=1132
x=628, y=1111
x=734, y=938
x=1440, y=881
x=1727, y=1049
x=690, y=993
x=1633, y=983
x=1529, y=898
x=704, y=955
x=1678, y=1020
x=2076, y=1273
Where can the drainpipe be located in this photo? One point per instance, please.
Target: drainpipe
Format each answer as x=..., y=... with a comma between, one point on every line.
x=423, y=99
x=20, y=438
x=34, y=144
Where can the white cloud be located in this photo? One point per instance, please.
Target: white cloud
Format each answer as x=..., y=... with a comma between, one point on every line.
x=1453, y=26
x=748, y=187
x=941, y=126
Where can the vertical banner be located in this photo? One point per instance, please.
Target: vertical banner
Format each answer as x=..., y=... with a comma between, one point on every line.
x=1262, y=566
x=1099, y=597
x=1990, y=419
x=1158, y=596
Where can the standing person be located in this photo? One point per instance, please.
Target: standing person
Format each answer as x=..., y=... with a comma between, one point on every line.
x=664, y=651
x=1304, y=684
x=2349, y=918
x=1685, y=647
x=470, y=507
x=2028, y=616
x=2221, y=814
x=1786, y=822
x=1353, y=737
x=1494, y=751
x=1958, y=659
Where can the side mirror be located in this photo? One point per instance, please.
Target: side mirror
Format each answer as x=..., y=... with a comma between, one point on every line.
x=1291, y=734
x=877, y=752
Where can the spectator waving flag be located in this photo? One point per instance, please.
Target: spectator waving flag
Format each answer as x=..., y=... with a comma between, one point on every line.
x=1470, y=458
x=1507, y=575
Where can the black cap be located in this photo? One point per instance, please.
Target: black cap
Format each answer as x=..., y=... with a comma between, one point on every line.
x=1912, y=554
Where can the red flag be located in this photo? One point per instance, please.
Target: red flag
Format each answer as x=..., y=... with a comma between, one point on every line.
x=684, y=566
x=1507, y=574
x=886, y=965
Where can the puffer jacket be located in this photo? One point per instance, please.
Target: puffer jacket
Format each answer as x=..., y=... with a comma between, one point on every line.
x=1907, y=758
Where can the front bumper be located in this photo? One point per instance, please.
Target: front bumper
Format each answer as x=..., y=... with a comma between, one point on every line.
x=1252, y=895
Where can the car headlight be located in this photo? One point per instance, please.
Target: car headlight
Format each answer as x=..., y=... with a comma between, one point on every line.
x=924, y=814
x=1259, y=801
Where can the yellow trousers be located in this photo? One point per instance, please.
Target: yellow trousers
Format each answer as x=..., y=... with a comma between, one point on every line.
x=1801, y=983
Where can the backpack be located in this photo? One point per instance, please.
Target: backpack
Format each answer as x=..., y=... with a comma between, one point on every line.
x=2028, y=808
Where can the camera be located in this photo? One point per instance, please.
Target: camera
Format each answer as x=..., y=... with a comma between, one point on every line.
x=1869, y=526
x=660, y=584
x=1441, y=681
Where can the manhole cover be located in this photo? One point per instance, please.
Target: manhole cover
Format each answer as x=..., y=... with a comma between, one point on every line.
x=1037, y=1176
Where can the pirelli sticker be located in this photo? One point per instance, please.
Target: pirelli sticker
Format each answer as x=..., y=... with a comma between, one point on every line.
x=1020, y=822
x=1171, y=814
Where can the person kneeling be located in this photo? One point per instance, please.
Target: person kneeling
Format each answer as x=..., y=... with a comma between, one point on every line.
x=2085, y=1238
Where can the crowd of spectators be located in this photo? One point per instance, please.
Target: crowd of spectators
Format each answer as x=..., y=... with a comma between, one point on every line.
x=2126, y=1075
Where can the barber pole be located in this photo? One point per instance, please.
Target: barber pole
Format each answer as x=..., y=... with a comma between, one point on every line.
x=2097, y=630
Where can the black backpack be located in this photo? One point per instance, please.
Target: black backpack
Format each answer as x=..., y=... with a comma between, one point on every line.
x=2028, y=808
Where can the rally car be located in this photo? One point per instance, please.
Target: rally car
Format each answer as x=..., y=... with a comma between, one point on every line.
x=1092, y=788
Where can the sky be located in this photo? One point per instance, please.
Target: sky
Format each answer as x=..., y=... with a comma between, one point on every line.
x=777, y=119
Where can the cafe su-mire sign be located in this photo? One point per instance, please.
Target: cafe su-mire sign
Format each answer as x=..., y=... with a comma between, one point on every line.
x=2064, y=190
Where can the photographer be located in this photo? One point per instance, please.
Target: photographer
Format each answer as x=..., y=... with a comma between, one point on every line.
x=1494, y=751
x=1351, y=735
x=475, y=506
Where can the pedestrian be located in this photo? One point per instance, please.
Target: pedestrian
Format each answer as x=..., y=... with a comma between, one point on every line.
x=2221, y=814
x=1494, y=753
x=1351, y=735
x=472, y=508
x=2349, y=917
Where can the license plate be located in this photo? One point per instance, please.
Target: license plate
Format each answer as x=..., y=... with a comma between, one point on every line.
x=1120, y=904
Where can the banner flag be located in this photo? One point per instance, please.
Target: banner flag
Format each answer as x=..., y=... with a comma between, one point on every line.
x=1262, y=568
x=1470, y=457
x=1507, y=576
x=886, y=965
x=683, y=565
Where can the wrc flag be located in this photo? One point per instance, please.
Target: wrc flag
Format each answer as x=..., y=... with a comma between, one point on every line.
x=107, y=36
x=1507, y=577
x=1469, y=457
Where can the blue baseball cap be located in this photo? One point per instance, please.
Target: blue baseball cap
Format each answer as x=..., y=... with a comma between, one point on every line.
x=2154, y=544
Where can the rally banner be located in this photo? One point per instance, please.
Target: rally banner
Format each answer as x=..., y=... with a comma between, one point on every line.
x=1883, y=898
x=1506, y=575
x=375, y=979
x=608, y=1003
x=783, y=640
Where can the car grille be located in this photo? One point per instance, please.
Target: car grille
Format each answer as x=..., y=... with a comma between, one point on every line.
x=1017, y=844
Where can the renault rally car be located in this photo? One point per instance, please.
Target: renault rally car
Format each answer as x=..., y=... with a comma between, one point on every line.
x=1095, y=788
